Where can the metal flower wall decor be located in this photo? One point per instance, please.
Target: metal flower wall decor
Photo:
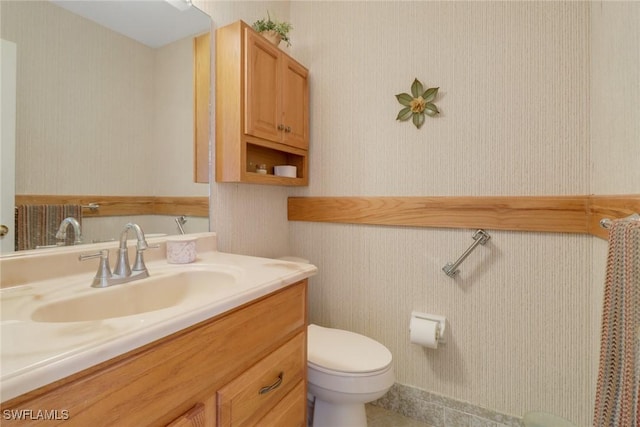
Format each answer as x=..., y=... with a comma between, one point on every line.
x=419, y=103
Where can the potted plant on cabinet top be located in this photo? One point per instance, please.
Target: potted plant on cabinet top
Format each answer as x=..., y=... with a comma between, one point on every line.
x=273, y=30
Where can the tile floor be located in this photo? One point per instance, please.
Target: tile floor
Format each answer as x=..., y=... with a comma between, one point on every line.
x=380, y=417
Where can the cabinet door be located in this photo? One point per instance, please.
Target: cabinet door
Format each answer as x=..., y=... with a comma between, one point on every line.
x=295, y=104
x=263, y=110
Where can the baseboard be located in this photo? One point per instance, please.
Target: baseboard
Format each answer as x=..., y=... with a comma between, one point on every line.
x=440, y=411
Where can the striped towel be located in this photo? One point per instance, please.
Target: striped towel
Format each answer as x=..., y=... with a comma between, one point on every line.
x=618, y=392
x=36, y=225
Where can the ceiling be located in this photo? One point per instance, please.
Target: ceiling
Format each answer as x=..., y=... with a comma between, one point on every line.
x=154, y=23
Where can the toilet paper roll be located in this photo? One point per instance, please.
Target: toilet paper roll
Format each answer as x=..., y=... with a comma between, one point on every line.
x=424, y=332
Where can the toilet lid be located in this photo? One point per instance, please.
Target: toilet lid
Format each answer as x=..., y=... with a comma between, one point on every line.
x=345, y=351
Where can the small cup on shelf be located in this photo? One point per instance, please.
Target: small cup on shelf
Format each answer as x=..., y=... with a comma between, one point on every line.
x=285, y=170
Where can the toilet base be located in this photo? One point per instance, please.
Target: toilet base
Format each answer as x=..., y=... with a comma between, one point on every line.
x=328, y=414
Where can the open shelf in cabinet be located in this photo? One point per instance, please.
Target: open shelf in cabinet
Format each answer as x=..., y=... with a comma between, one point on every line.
x=260, y=154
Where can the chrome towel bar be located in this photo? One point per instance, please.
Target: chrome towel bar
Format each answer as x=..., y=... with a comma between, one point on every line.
x=91, y=206
x=480, y=237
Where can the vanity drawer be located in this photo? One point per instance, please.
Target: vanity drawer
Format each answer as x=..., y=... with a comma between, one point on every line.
x=249, y=397
x=289, y=412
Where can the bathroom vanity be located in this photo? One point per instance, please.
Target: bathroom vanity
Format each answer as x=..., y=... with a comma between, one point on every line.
x=236, y=359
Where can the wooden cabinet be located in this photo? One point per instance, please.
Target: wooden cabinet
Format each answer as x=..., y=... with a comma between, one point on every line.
x=262, y=109
x=194, y=417
x=295, y=104
x=276, y=94
x=193, y=377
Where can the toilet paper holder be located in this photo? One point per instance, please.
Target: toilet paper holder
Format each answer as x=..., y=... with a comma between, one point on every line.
x=440, y=320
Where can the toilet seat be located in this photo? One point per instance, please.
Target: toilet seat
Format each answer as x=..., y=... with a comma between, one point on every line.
x=340, y=352
x=353, y=375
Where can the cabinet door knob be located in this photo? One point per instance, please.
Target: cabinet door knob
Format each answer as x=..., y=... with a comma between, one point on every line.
x=280, y=127
x=3, y=230
x=275, y=385
x=287, y=129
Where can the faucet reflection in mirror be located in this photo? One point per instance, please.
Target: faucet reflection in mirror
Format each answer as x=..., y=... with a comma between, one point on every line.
x=180, y=221
x=61, y=235
x=123, y=273
x=41, y=226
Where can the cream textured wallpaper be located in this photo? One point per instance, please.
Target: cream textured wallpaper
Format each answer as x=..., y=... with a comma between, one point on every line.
x=520, y=335
x=514, y=93
x=57, y=90
x=513, y=81
x=615, y=91
x=101, y=114
x=249, y=219
x=91, y=119
x=516, y=84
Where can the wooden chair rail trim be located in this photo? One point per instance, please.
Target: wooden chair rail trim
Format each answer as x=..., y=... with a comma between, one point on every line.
x=557, y=214
x=124, y=205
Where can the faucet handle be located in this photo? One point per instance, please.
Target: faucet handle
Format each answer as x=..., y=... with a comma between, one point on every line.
x=103, y=254
x=103, y=275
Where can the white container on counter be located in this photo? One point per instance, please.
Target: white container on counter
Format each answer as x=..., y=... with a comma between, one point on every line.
x=181, y=249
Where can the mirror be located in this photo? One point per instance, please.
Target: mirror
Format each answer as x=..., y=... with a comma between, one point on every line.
x=106, y=108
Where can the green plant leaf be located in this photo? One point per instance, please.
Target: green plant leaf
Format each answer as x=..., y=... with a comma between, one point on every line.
x=431, y=109
x=404, y=114
x=416, y=88
x=418, y=120
x=280, y=27
x=404, y=99
x=430, y=94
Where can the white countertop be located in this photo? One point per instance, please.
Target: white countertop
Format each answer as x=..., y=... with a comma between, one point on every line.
x=34, y=354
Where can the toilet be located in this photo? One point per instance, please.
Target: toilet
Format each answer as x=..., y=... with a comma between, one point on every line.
x=345, y=370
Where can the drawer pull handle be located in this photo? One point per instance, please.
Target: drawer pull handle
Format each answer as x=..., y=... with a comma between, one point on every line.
x=267, y=389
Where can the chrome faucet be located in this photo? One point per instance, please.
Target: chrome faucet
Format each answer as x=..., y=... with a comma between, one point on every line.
x=180, y=221
x=61, y=235
x=122, y=273
x=122, y=265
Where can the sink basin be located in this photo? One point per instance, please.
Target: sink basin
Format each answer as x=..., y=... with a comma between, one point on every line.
x=137, y=297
